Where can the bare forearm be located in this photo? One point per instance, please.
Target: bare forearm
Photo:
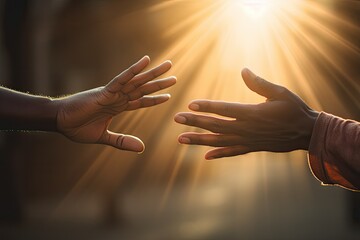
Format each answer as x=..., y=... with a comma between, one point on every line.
x=21, y=111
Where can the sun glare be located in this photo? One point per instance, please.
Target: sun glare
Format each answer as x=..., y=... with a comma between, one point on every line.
x=254, y=8
x=295, y=43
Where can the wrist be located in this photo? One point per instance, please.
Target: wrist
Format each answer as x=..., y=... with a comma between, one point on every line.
x=22, y=111
x=312, y=116
x=39, y=114
x=48, y=112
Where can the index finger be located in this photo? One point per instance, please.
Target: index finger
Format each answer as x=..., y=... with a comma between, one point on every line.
x=227, y=109
x=117, y=83
x=153, y=73
x=147, y=76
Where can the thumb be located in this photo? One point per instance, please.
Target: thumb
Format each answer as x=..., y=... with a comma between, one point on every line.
x=122, y=141
x=260, y=85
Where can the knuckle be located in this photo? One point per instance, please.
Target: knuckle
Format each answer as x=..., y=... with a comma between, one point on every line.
x=228, y=151
x=205, y=105
x=153, y=73
x=134, y=95
x=255, y=112
x=216, y=125
x=196, y=139
x=132, y=69
x=261, y=82
x=120, y=141
x=159, y=86
x=227, y=108
x=190, y=119
x=131, y=87
x=141, y=103
x=283, y=90
x=215, y=141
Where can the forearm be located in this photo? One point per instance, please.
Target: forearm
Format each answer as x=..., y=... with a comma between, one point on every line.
x=334, y=151
x=21, y=111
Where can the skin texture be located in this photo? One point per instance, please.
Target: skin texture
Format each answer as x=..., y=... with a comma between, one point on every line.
x=85, y=117
x=282, y=123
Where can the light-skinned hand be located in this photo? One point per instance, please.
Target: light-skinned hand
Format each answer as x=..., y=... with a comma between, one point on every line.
x=280, y=124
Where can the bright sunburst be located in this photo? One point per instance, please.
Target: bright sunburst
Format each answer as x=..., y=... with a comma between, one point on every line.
x=254, y=8
x=290, y=42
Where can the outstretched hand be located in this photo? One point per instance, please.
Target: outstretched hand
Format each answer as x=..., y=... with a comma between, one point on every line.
x=283, y=123
x=86, y=116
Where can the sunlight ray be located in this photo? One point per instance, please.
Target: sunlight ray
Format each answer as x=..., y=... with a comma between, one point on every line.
x=295, y=43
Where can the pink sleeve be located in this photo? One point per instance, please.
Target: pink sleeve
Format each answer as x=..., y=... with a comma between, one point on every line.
x=334, y=151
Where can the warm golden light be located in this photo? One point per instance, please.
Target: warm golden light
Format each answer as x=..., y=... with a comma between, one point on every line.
x=254, y=8
x=295, y=43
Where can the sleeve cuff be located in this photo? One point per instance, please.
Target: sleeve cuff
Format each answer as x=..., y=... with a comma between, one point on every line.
x=317, y=147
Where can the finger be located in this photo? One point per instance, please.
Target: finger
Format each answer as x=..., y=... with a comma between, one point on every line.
x=243, y=147
x=123, y=142
x=207, y=139
x=213, y=124
x=261, y=86
x=147, y=76
x=152, y=87
x=147, y=101
x=227, y=152
x=117, y=83
x=227, y=109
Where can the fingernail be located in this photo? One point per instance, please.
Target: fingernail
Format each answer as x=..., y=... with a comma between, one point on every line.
x=141, y=59
x=180, y=119
x=142, y=150
x=184, y=140
x=194, y=106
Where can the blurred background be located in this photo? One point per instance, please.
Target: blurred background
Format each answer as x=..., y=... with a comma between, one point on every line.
x=51, y=188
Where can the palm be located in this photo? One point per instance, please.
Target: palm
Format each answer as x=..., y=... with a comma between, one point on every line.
x=86, y=120
x=85, y=117
x=282, y=123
